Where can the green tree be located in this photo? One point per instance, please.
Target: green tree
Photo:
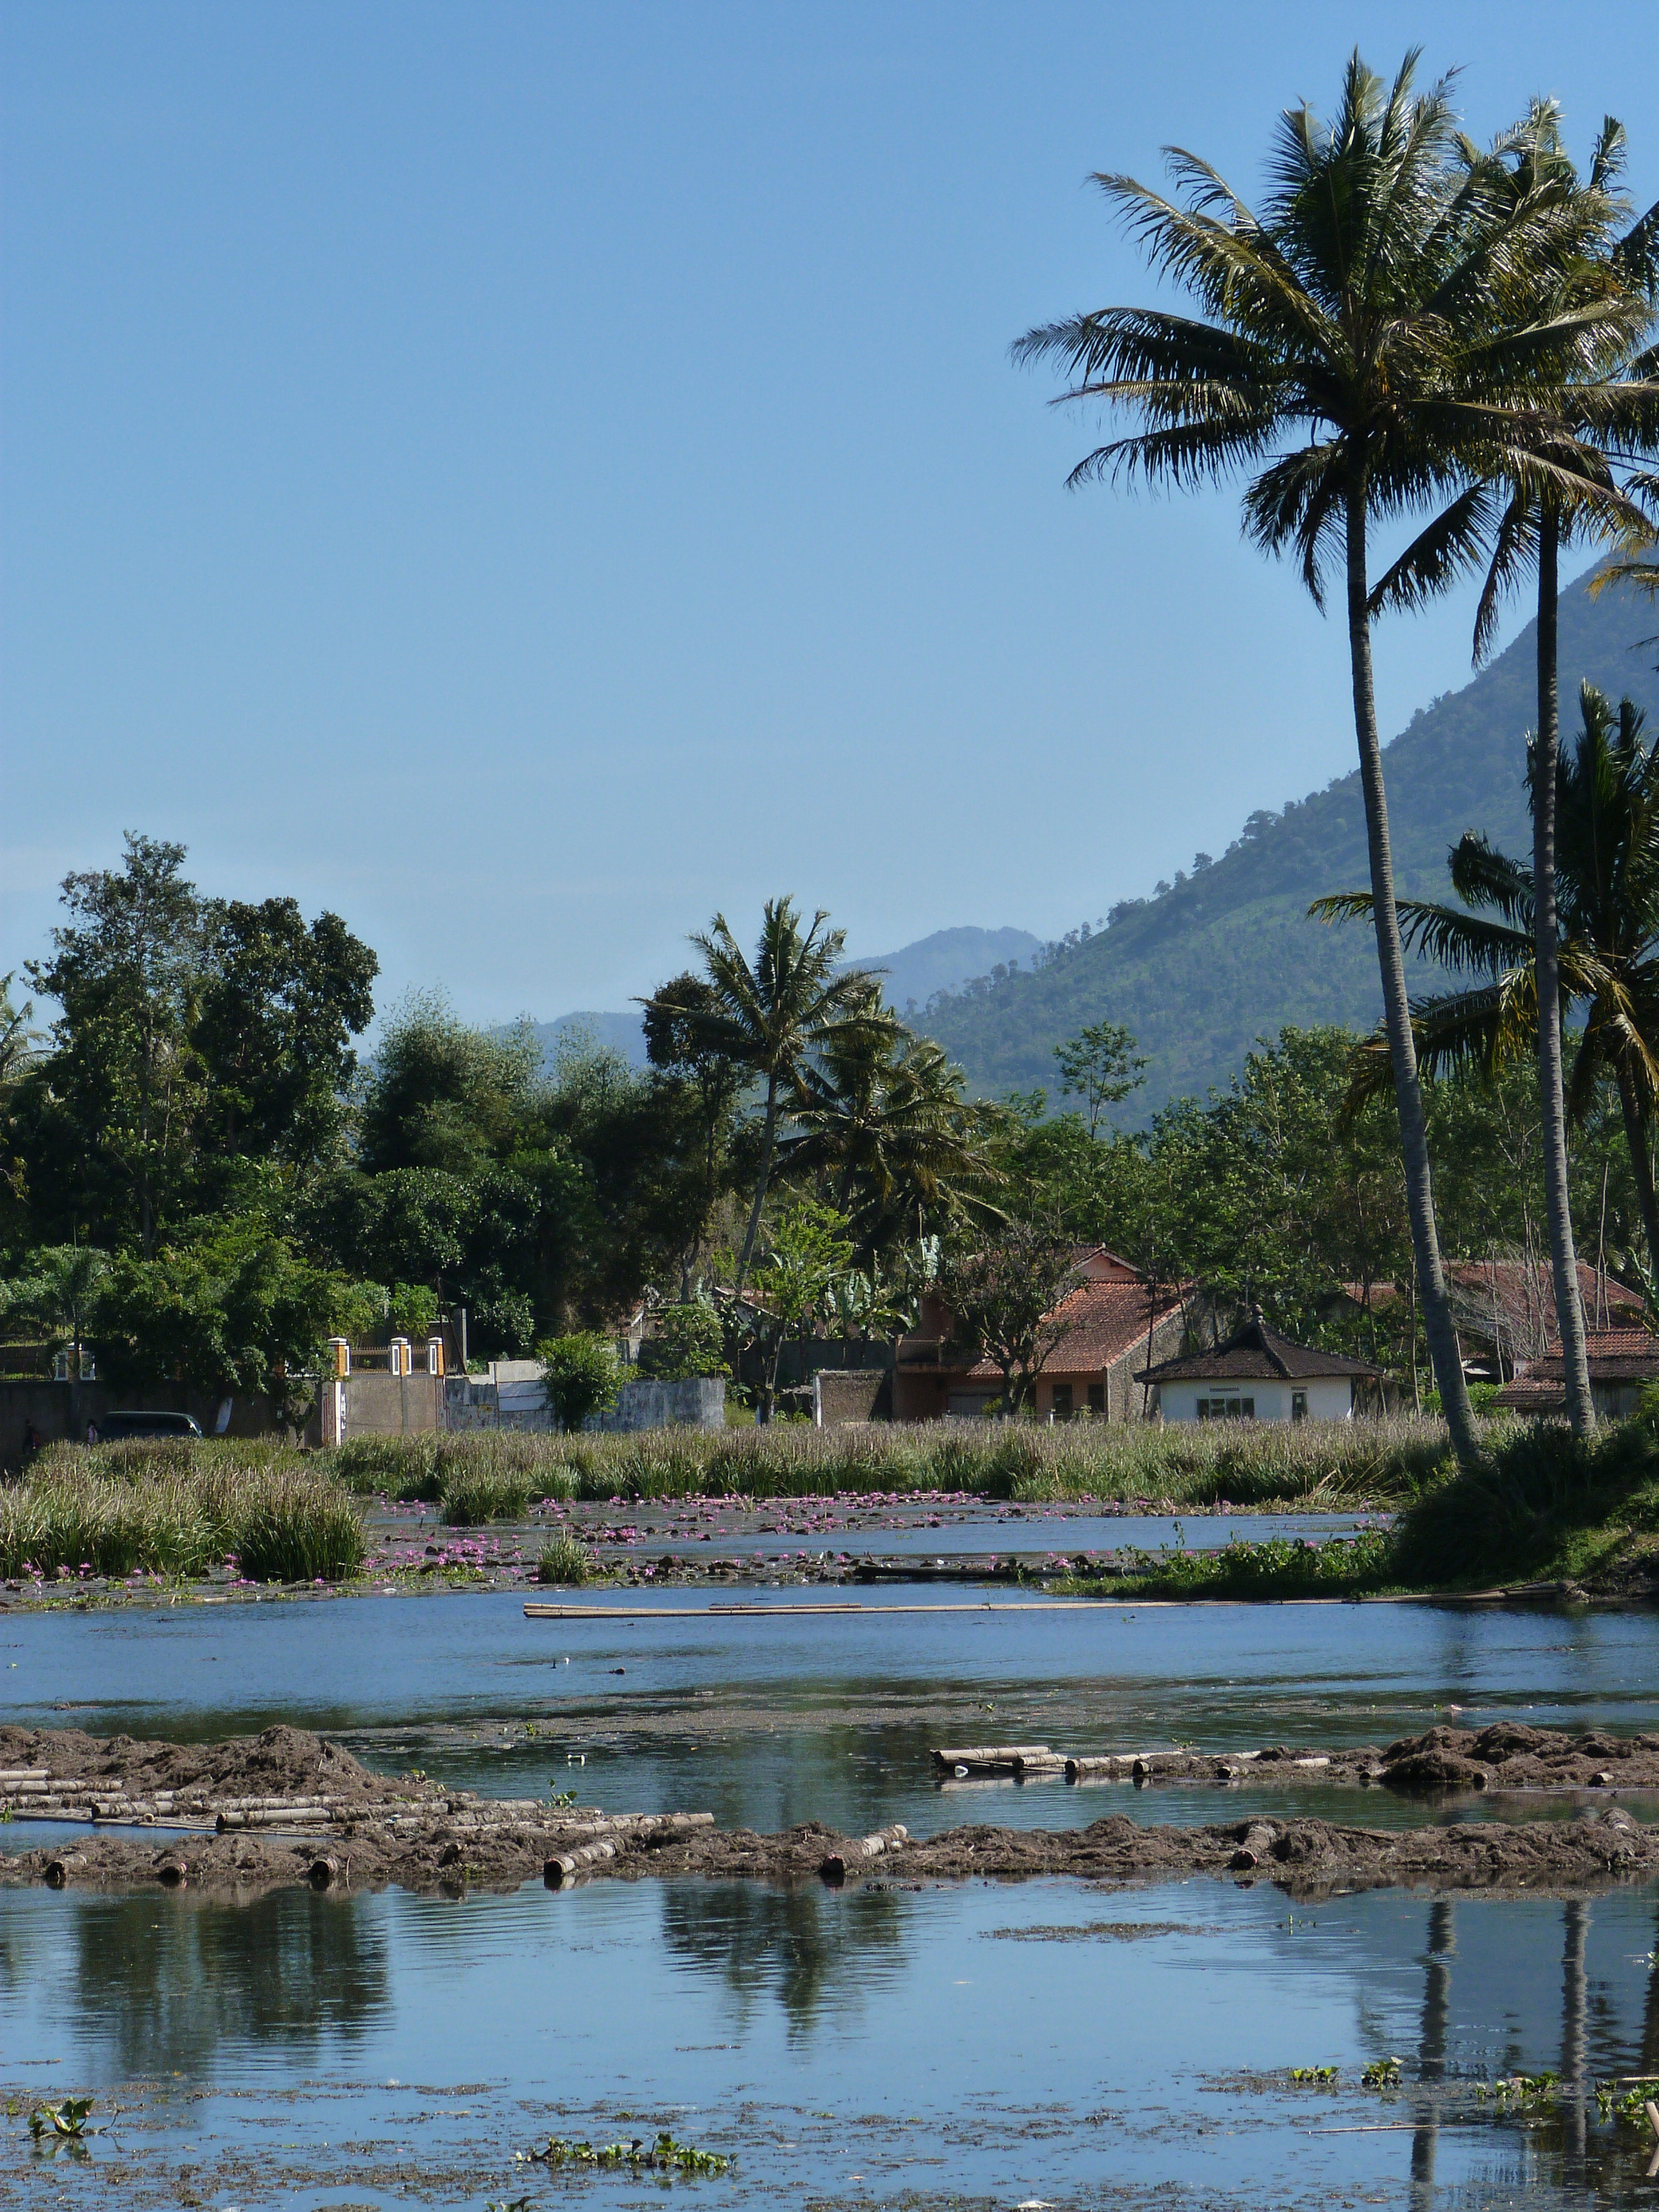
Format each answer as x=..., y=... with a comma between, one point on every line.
x=441, y=1094
x=677, y=1024
x=768, y=1015
x=280, y=1002
x=689, y=1342
x=1101, y=1067
x=581, y=1375
x=123, y=1090
x=1607, y=872
x=61, y=1294
x=881, y=1123
x=1596, y=286
x=806, y=1252
x=1004, y=1298
x=1358, y=349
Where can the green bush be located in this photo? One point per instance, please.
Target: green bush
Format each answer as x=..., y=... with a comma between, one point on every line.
x=580, y=1375
x=689, y=1342
x=566, y=1560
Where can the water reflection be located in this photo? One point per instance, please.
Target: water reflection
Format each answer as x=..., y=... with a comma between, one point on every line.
x=799, y=1948
x=166, y=1985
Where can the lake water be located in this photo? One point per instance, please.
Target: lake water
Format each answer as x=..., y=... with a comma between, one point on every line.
x=886, y=2046
x=986, y=2045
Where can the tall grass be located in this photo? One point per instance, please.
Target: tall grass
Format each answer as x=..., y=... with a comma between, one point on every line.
x=1313, y=1464
x=473, y=1479
x=278, y=1518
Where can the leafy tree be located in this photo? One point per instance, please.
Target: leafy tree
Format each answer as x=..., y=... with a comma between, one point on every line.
x=240, y=1311
x=881, y=1123
x=581, y=1375
x=1003, y=1298
x=1100, y=1065
x=677, y=1025
x=1362, y=347
x=281, y=999
x=689, y=1341
x=805, y=1252
x=767, y=1017
x=443, y=1095
x=61, y=1294
x=1605, y=273
x=122, y=1090
x=1606, y=874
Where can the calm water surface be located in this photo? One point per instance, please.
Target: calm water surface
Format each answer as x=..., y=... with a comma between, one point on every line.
x=991, y=2044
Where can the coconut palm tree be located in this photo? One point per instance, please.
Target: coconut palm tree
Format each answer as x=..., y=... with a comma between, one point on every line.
x=1607, y=809
x=769, y=1015
x=1363, y=348
x=880, y=1115
x=1598, y=392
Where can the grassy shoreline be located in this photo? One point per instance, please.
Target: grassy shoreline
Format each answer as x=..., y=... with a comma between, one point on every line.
x=1542, y=1508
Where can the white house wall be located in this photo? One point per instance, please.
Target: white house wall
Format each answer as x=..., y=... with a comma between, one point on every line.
x=1329, y=1398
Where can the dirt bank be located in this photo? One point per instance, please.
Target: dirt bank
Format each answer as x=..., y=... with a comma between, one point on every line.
x=1506, y=1757
x=285, y=1808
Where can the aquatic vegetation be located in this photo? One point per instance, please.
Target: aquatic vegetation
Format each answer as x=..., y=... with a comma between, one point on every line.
x=567, y=1559
x=663, y=2156
x=276, y=1521
x=1381, y=2074
x=65, y=2121
x=1277, y=1566
x=1315, y=2076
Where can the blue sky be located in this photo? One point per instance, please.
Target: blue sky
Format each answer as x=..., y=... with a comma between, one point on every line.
x=525, y=477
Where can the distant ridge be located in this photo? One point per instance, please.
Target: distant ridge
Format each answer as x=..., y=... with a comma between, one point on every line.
x=943, y=962
x=1229, y=954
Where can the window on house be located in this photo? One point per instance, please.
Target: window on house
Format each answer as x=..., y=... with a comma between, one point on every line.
x=1062, y=1401
x=1298, y=1404
x=1097, y=1399
x=1226, y=1409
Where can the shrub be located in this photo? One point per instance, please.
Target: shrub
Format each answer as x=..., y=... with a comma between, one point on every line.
x=565, y=1559
x=689, y=1342
x=581, y=1375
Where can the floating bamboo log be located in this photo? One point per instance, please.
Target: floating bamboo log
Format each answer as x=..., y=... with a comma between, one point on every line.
x=995, y=1759
x=833, y=1866
x=1259, y=1839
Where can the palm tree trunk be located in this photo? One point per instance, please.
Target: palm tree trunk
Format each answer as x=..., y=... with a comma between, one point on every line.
x=1564, y=1258
x=768, y=1142
x=1396, y=1011
x=1640, y=1165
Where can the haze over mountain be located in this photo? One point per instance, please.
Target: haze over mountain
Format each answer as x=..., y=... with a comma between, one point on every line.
x=1228, y=955
x=909, y=977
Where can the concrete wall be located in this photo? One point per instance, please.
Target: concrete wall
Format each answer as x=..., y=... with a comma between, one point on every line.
x=843, y=1395
x=57, y=1410
x=392, y=1405
x=1329, y=1398
x=515, y=1403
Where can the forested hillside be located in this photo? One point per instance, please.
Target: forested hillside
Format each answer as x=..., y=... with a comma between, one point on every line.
x=1229, y=954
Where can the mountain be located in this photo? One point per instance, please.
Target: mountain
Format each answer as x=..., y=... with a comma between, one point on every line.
x=1229, y=954
x=623, y=1033
x=945, y=961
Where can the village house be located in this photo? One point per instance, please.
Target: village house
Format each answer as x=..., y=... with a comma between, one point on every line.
x=1622, y=1363
x=1504, y=1310
x=1257, y=1374
x=1116, y=1320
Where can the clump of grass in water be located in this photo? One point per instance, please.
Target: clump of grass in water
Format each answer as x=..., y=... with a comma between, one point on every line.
x=565, y=1559
x=282, y=1520
x=485, y=1478
x=1279, y=1566
x=392, y=1467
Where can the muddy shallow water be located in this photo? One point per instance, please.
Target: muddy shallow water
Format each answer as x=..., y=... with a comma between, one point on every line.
x=830, y=1717
x=884, y=2045
x=988, y=2045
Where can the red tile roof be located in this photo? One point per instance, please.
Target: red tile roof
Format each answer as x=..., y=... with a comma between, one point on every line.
x=1108, y=1317
x=1616, y=1355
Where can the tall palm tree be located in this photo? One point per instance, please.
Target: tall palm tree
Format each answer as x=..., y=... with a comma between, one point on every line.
x=769, y=1015
x=1597, y=392
x=1607, y=809
x=880, y=1115
x=1363, y=348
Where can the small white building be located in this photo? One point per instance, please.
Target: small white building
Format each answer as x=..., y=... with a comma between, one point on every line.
x=1258, y=1375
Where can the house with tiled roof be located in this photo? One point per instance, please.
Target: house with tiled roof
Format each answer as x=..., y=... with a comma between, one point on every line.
x=1257, y=1374
x=1504, y=1310
x=1116, y=1320
x=1622, y=1363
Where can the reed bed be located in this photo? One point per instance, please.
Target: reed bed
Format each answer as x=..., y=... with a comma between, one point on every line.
x=275, y=1517
x=1312, y=1465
